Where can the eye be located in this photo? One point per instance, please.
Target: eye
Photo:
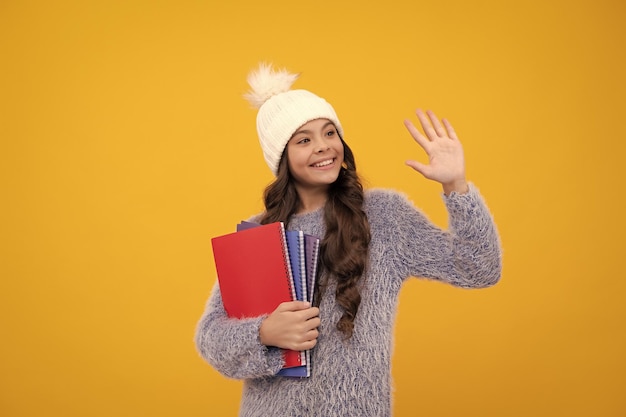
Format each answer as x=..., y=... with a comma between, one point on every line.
x=331, y=133
x=303, y=140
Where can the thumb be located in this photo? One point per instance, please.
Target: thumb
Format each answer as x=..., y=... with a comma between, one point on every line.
x=418, y=166
x=294, y=306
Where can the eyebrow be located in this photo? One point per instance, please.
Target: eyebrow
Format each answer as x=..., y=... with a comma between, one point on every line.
x=306, y=131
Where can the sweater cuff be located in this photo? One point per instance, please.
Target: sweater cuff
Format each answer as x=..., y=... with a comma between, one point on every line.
x=465, y=209
x=455, y=198
x=272, y=355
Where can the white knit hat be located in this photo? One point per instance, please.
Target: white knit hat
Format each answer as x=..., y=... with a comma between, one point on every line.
x=282, y=111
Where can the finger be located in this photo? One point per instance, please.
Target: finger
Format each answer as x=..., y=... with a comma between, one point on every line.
x=419, y=138
x=304, y=341
x=419, y=167
x=439, y=129
x=309, y=344
x=293, y=306
x=313, y=323
x=311, y=335
x=426, y=125
x=309, y=313
x=450, y=129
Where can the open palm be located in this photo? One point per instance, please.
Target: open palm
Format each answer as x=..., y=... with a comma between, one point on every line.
x=446, y=163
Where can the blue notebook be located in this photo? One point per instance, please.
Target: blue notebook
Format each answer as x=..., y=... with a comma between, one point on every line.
x=303, y=255
x=311, y=252
x=295, y=245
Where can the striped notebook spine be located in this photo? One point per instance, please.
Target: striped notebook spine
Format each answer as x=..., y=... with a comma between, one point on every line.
x=287, y=261
x=302, y=265
x=312, y=275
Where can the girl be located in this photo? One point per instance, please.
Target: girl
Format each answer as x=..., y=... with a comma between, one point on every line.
x=372, y=241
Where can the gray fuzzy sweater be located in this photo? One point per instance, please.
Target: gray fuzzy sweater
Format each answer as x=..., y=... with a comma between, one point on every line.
x=353, y=377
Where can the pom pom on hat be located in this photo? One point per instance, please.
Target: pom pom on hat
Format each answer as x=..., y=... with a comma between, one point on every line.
x=265, y=83
x=282, y=110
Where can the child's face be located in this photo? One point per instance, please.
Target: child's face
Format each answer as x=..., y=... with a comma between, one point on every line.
x=315, y=154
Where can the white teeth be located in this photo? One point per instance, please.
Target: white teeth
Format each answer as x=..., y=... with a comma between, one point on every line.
x=323, y=163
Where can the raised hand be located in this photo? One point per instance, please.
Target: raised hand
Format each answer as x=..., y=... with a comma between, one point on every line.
x=446, y=163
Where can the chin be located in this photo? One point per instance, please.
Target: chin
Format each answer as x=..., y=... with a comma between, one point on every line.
x=331, y=178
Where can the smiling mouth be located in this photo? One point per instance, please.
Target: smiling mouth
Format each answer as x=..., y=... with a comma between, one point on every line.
x=322, y=164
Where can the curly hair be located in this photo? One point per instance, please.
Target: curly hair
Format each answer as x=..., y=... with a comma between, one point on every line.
x=344, y=248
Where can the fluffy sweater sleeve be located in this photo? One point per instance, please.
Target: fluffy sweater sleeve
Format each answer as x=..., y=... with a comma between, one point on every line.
x=232, y=346
x=467, y=254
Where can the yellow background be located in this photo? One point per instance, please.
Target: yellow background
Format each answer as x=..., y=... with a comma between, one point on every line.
x=126, y=146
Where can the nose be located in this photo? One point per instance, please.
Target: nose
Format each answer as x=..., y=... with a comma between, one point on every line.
x=321, y=146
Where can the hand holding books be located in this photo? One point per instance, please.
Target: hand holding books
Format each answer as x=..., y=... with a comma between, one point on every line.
x=293, y=325
x=264, y=270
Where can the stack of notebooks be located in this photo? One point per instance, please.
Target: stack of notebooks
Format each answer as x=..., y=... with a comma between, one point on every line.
x=260, y=266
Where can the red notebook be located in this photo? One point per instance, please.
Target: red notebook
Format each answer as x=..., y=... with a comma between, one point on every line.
x=254, y=274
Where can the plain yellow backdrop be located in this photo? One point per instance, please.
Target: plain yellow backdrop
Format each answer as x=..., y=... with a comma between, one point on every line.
x=126, y=145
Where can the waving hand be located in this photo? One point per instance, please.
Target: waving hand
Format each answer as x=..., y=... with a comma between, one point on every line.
x=446, y=163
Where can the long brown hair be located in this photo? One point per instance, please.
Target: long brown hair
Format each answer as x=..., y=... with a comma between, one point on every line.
x=344, y=248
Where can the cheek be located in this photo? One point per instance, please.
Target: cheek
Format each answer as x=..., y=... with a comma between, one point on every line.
x=295, y=161
x=297, y=156
x=290, y=156
x=340, y=153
